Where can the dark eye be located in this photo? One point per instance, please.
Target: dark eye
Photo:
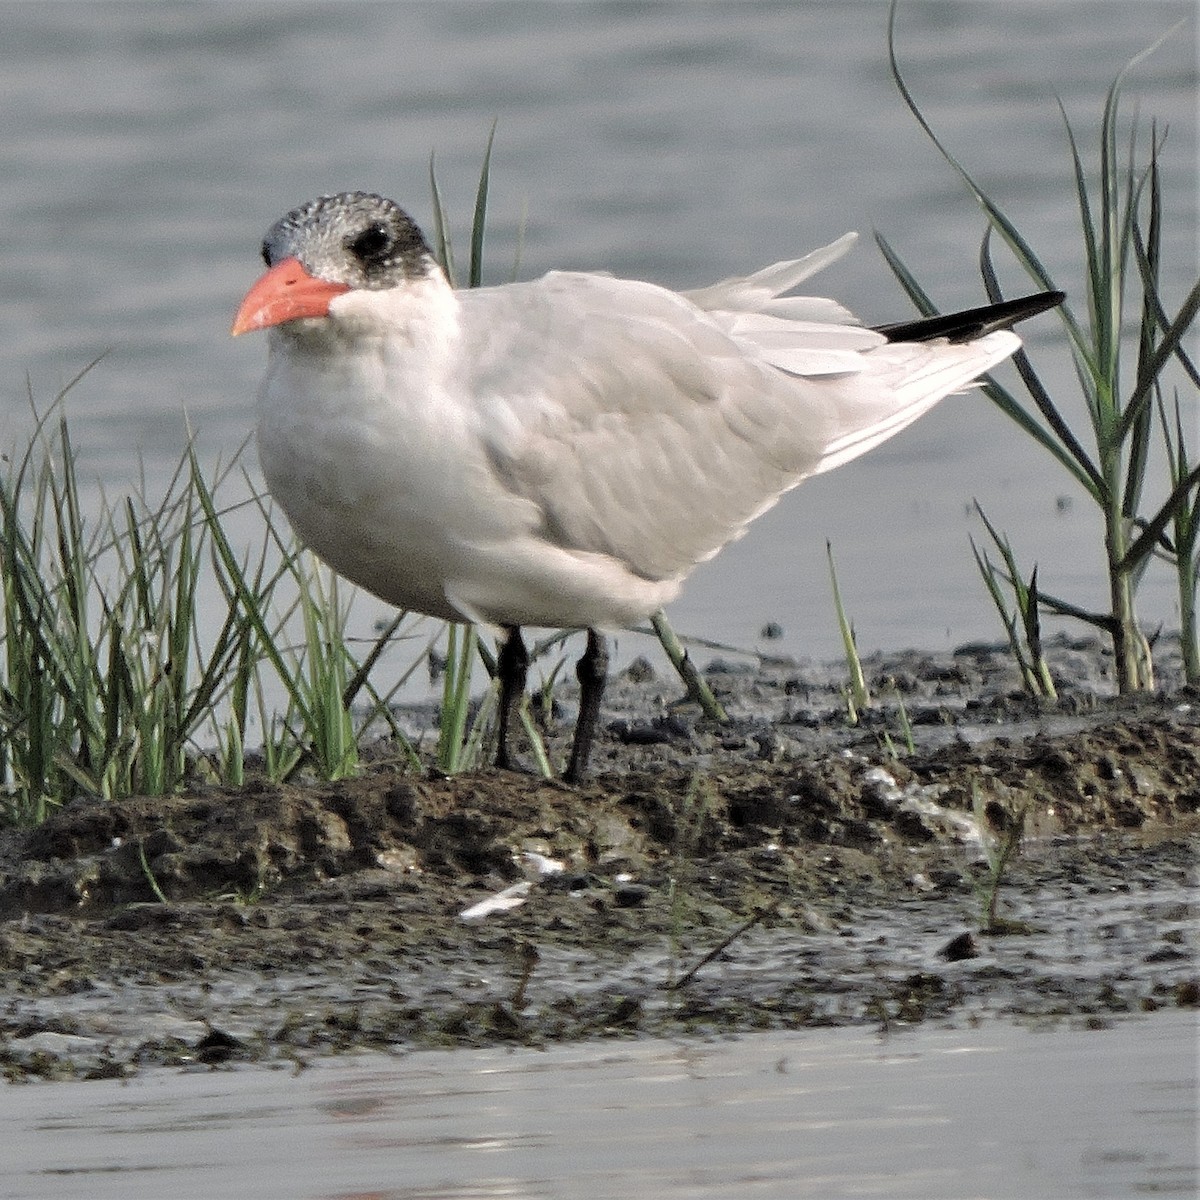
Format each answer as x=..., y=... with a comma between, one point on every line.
x=370, y=245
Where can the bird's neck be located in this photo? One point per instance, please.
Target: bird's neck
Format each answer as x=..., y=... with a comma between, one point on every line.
x=422, y=313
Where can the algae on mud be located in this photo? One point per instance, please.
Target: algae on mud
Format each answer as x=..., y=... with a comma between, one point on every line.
x=837, y=880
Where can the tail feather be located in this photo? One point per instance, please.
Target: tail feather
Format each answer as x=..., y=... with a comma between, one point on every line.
x=761, y=291
x=901, y=382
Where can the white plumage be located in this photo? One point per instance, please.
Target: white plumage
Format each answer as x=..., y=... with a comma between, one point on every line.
x=564, y=452
x=561, y=452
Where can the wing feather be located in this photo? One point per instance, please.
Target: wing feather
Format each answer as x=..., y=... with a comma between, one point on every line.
x=652, y=426
x=638, y=427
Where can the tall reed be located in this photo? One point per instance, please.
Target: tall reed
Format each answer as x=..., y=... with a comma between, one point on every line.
x=1120, y=221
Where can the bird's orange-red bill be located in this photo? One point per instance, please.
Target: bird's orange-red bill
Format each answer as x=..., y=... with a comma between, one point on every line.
x=286, y=292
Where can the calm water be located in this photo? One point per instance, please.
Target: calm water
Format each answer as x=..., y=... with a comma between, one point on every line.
x=146, y=147
x=997, y=1112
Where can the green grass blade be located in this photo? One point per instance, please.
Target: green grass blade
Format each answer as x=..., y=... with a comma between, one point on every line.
x=359, y=678
x=536, y=745
x=456, y=696
x=1021, y=249
x=1163, y=322
x=859, y=692
x=1076, y=459
x=250, y=602
x=697, y=687
x=908, y=281
x=1167, y=348
x=1087, y=226
x=988, y=572
x=1152, y=530
x=479, y=222
x=441, y=228
x=1148, y=258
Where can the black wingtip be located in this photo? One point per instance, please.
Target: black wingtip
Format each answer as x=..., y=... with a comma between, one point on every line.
x=972, y=323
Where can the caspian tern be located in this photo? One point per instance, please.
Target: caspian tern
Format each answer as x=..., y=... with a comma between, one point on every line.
x=562, y=452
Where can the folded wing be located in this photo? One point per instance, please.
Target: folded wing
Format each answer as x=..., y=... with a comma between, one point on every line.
x=652, y=426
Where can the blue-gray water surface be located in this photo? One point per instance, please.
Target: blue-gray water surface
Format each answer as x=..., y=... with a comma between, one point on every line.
x=938, y=1114
x=146, y=148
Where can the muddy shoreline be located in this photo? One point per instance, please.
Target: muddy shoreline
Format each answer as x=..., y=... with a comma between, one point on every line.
x=783, y=870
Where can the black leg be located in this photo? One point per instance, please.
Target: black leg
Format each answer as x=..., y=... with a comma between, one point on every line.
x=512, y=666
x=592, y=673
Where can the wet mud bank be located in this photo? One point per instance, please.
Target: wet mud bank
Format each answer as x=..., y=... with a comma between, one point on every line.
x=783, y=870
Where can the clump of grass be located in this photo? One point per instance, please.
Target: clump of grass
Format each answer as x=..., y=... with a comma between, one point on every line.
x=1120, y=221
x=1022, y=623
x=323, y=671
x=856, y=695
x=459, y=738
x=105, y=680
x=1000, y=849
